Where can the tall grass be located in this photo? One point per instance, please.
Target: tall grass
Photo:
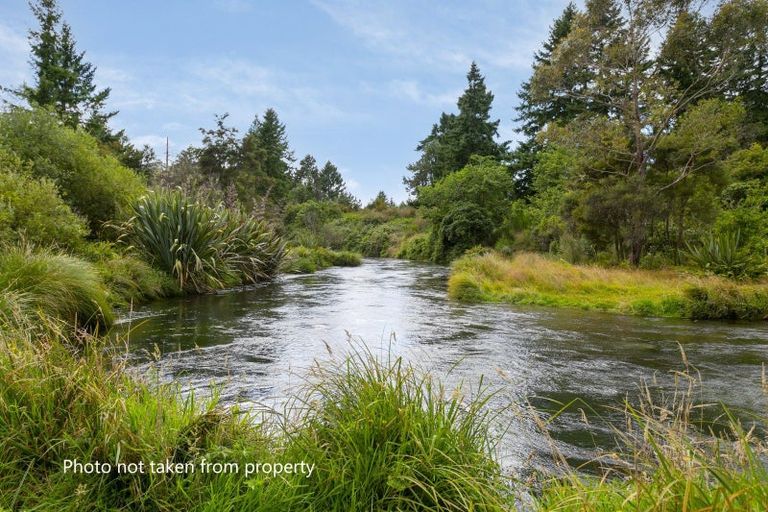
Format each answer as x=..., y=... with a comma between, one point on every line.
x=533, y=279
x=386, y=437
x=38, y=285
x=669, y=460
x=381, y=437
x=306, y=260
x=203, y=248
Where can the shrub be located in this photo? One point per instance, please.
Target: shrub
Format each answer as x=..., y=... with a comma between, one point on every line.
x=203, y=248
x=307, y=260
x=31, y=209
x=90, y=180
x=722, y=254
x=415, y=248
x=726, y=301
x=466, y=207
x=132, y=281
x=46, y=285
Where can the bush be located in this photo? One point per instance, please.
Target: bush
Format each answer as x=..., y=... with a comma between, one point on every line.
x=203, y=248
x=307, y=260
x=415, y=248
x=467, y=207
x=46, y=285
x=726, y=301
x=723, y=255
x=132, y=281
x=31, y=209
x=91, y=181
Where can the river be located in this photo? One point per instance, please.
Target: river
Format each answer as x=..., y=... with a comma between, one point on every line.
x=256, y=344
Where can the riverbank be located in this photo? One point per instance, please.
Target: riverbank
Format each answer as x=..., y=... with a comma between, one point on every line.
x=533, y=279
x=368, y=433
x=374, y=434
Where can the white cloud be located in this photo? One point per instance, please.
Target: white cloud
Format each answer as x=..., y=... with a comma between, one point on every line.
x=444, y=36
x=14, y=52
x=412, y=90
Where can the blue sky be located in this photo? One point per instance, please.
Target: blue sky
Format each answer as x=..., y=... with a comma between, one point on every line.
x=357, y=83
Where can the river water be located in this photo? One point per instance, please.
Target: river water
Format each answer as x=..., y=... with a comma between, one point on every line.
x=256, y=345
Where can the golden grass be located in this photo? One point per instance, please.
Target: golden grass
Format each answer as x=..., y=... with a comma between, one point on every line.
x=528, y=278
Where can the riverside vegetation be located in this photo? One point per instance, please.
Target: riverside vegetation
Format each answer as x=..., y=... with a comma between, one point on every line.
x=671, y=177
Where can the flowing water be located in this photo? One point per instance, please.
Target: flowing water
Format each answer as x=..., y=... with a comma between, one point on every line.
x=256, y=345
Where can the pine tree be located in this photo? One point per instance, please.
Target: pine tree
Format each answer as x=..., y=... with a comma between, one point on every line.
x=457, y=137
x=64, y=81
x=267, y=157
x=535, y=114
x=331, y=184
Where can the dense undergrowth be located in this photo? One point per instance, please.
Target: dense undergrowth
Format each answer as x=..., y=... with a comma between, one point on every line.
x=528, y=278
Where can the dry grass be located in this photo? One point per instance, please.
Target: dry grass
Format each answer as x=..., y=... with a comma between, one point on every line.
x=534, y=279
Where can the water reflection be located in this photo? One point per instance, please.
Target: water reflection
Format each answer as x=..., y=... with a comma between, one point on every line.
x=256, y=343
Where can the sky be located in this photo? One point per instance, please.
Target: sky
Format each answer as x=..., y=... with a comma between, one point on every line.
x=358, y=83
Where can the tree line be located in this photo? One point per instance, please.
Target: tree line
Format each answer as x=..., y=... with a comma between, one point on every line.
x=644, y=128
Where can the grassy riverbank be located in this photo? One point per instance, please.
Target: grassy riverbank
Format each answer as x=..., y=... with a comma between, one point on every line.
x=379, y=436
x=533, y=279
x=306, y=260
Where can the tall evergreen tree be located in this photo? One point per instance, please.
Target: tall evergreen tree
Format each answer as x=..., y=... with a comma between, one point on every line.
x=267, y=157
x=457, y=137
x=331, y=184
x=534, y=114
x=64, y=80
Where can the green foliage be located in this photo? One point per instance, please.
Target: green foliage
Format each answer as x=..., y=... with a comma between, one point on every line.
x=94, y=184
x=43, y=285
x=466, y=207
x=63, y=79
x=31, y=209
x=527, y=278
x=723, y=254
x=307, y=260
x=726, y=301
x=131, y=281
x=386, y=437
x=415, y=248
x=415, y=448
x=203, y=248
x=457, y=137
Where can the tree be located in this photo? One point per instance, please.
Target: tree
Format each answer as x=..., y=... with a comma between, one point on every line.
x=380, y=202
x=331, y=184
x=64, y=81
x=457, y=137
x=220, y=155
x=267, y=158
x=535, y=114
x=467, y=207
x=635, y=101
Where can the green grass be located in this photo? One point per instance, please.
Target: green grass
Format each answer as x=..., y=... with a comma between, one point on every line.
x=533, y=279
x=38, y=285
x=306, y=260
x=669, y=460
x=381, y=437
x=386, y=437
